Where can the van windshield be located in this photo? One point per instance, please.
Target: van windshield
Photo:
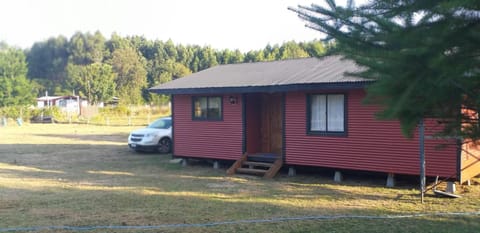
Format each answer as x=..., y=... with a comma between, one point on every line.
x=161, y=124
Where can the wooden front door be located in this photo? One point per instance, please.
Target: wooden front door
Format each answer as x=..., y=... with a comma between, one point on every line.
x=264, y=123
x=271, y=123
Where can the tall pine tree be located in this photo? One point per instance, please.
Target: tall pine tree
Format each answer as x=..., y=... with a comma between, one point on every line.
x=424, y=56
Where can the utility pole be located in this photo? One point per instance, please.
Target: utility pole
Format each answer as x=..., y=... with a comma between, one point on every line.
x=421, y=129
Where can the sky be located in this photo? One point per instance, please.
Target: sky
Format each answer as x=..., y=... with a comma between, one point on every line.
x=228, y=24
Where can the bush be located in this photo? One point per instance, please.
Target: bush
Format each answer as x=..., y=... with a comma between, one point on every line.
x=53, y=111
x=123, y=110
x=120, y=110
x=15, y=112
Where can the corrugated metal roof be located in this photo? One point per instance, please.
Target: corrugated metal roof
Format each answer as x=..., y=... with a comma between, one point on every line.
x=266, y=76
x=48, y=98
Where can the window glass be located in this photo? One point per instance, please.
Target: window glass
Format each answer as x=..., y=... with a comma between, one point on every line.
x=327, y=113
x=319, y=111
x=214, y=108
x=200, y=107
x=161, y=124
x=335, y=113
x=62, y=103
x=207, y=108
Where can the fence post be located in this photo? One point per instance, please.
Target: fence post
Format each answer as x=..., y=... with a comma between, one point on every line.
x=4, y=121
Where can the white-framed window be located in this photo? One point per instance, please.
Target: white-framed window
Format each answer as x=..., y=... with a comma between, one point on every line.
x=326, y=114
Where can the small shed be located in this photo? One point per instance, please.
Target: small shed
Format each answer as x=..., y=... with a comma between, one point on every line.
x=307, y=112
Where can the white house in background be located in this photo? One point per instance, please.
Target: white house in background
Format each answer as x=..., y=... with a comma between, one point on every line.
x=70, y=104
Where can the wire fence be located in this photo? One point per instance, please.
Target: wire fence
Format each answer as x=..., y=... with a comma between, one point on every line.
x=116, y=120
x=235, y=222
x=96, y=120
x=108, y=116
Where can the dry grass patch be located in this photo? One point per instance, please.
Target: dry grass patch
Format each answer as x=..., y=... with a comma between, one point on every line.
x=79, y=175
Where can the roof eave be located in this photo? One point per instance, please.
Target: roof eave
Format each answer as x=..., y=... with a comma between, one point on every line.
x=265, y=89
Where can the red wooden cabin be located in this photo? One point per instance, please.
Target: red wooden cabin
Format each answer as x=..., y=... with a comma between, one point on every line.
x=308, y=112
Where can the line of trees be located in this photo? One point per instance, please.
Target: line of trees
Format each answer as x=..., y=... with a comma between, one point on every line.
x=15, y=88
x=125, y=67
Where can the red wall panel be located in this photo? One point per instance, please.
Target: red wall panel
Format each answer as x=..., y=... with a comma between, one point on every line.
x=207, y=139
x=253, y=123
x=370, y=144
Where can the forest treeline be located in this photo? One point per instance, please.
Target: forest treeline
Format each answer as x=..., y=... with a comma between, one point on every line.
x=98, y=69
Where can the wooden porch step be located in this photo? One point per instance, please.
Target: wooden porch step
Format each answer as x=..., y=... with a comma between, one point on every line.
x=262, y=157
x=272, y=171
x=270, y=163
x=257, y=164
x=237, y=164
x=251, y=171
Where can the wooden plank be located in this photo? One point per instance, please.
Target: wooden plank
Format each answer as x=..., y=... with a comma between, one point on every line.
x=274, y=169
x=271, y=123
x=263, y=157
x=251, y=171
x=470, y=161
x=276, y=123
x=445, y=194
x=259, y=164
x=265, y=123
x=237, y=164
x=253, y=123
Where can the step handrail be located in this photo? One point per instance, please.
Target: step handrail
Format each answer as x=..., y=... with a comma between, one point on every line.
x=237, y=164
x=277, y=165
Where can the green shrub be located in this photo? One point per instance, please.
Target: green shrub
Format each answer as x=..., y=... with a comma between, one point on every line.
x=53, y=111
x=15, y=112
x=120, y=110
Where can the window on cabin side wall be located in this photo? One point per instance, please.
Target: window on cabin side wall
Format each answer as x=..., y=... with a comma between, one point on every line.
x=326, y=114
x=207, y=108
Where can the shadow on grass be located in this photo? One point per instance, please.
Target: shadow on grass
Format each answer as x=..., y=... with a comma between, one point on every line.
x=102, y=184
x=92, y=137
x=116, y=165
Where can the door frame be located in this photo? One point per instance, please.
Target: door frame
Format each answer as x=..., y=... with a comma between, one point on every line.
x=253, y=123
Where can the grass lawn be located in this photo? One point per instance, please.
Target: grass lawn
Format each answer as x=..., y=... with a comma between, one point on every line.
x=79, y=175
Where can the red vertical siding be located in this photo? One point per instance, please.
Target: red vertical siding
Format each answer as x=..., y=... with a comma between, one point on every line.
x=207, y=139
x=370, y=145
